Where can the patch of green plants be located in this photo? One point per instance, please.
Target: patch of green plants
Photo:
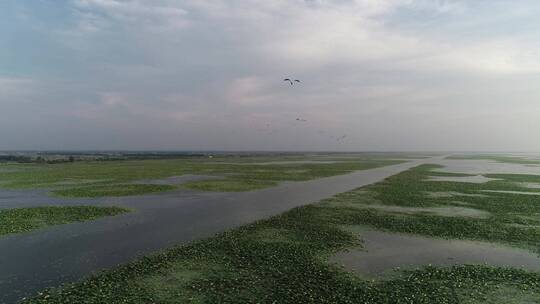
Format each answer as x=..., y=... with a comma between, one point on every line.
x=513, y=218
x=284, y=259
x=112, y=190
x=229, y=185
x=95, y=178
x=256, y=176
x=26, y=219
x=499, y=158
x=519, y=178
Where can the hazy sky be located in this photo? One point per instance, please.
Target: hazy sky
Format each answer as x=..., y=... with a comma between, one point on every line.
x=195, y=74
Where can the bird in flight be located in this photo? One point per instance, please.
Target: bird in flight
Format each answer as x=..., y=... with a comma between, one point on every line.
x=300, y=119
x=291, y=81
x=341, y=137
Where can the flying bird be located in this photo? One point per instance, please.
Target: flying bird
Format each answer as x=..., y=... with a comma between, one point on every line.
x=292, y=81
x=341, y=137
x=300, y=119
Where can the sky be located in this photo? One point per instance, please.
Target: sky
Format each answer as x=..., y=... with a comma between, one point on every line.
x=391, y=75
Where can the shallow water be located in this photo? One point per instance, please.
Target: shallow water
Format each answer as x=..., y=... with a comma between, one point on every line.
x=452, y=211
x=511, y=192
x=384, y=251
x=484, y=167
x=286, y=162
x=176, y=180
x=38, y=197
x=527, y=156
x=32, y=261
x=445, y=194
x=530, y=185
x=476, y=179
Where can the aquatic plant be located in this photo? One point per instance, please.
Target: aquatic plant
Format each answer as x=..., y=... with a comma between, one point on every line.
x=26, y=219
x=283, y=259
x=98, y=179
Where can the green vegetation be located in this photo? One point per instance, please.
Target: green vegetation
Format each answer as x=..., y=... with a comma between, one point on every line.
x=27, y=219
x=95, y=178
x=337, y=157
x=283, y=259
x=112, y=190
x=230, y=185
x=514, y=219
x=499, y=158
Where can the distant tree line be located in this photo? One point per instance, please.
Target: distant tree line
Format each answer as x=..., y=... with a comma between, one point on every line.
x=16, y=158
x=143, y=156
x=32, y=159
x=59, y=157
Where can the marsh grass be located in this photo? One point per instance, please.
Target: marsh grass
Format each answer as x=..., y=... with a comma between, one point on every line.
x=283, y=259
x=26, y=219
x=499, y=158
x=112, y=178
x=229, y=185
x=112, y=190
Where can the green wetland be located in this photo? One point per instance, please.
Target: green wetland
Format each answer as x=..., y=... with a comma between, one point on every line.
x=120, y=178
x=511, y=159
x=27, y=219
x=288, y=258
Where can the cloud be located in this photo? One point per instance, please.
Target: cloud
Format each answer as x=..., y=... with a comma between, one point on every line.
x=152, y=14
x=304, y=35
x=13, y=85
x=249, y=90
x=375, y=69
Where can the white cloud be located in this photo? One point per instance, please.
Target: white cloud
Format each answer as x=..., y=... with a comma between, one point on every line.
x=216, y=67
x=15, y=89
x=134, y=12
x=249, y=90
x=305, y=34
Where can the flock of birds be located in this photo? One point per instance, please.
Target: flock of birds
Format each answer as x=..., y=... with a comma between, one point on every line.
x=300, y=120
x=293, y=81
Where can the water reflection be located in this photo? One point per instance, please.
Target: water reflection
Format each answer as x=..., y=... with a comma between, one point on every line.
x=32, y=261
x=384, y=251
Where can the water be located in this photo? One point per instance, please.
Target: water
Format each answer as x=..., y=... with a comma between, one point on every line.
x=384, y=251
x=446, y=194
x=32, y=261
x=476, y=179
x=286, y=162
x=177, y=180
x=512, y=192
x=440, y=211
x=530, y=185
x=484, y=167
